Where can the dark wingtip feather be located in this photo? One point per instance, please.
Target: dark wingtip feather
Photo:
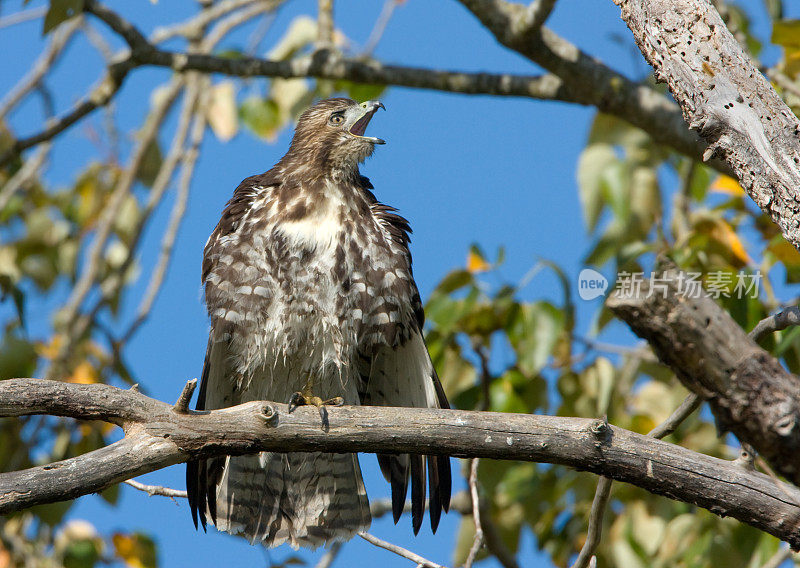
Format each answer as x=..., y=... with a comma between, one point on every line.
x=434, y=500
x=202, y=494
x=191, y=489
x=445, y=481
x=396, y=473
x=417, y=491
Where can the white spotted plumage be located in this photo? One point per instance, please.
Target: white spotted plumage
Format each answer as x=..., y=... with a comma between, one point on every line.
x=308, y=278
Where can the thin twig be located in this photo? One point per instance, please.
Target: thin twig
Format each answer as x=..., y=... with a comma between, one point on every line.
x=98, y=97
x=380, y=26
x=784, y=553
x=24, y=16
x=776, y=322
x=24, y=175
x=59, y=41
x=159, y=490
x=234, y=20
x=691, y=403
x=329, y=556
x=74, y=325
x=203, y=19
x=189, y=157
x=595, y=530
x=477, y=542
x=400, y=551
x=98, y=41
x=325, y=24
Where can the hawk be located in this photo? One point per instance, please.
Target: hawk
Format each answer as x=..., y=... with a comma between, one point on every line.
x=309, y=291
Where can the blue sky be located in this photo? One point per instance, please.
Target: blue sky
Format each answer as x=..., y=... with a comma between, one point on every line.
x=462, y=169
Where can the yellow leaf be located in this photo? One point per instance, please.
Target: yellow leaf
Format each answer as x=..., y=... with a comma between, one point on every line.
x=726, y=184
x=50, y=350
x=785, y=253
x=5, y=557
x=84, y=374
x=727, y=236
x=476, y=263
x=221, y=111
x=136, y=550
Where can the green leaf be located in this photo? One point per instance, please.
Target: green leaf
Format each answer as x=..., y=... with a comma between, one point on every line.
x=151, y=164
x=81, y=554
x=17, y=357
x=454, y=281
x=591, y=164
x=615, y=183
x=786, y=33
x=533, y=332
x=261, y=116
x=360, y=92
x=60, y=11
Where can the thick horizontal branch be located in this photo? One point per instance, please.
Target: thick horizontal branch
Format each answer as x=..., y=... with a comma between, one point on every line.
x=576, y=77
x=157, y=436
x=725, y=98
x=588, y=80
x=748, y=390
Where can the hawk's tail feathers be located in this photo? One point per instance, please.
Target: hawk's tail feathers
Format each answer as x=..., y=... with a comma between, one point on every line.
x=304, y=499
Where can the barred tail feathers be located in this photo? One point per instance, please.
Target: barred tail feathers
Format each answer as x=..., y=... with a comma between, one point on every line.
x=304, y=499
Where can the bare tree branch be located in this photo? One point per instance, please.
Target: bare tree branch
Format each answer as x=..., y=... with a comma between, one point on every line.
x=586, y=79
x=477, y=542
x=60, y=39
x=153, y=490
x=23, y=16
x=776, y=322
x=576, y=77
x=595, y=531
x=399, y=550
x=691, y=403
x=157, y=436
x=325, y=23
x=725, y=98
x=749, y=392
x=330, y=555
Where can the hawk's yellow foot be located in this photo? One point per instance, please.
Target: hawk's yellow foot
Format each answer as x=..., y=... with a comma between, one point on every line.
x=306, y=398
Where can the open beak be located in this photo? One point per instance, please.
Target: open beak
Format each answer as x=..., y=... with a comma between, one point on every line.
x=360, y=119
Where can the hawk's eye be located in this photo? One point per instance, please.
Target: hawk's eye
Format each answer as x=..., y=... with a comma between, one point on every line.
x=336, y=119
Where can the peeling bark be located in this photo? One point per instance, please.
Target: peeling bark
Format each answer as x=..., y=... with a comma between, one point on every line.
x=725, y=99
x=749, y=392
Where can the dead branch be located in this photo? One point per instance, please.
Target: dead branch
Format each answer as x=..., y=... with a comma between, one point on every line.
x=157, y=436
x=750, y=393
x=725, y=98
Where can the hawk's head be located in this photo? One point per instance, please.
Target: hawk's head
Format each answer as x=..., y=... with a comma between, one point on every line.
x=331, y=133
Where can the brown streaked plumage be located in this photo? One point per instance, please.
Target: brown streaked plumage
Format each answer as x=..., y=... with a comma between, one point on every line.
x=307, y=277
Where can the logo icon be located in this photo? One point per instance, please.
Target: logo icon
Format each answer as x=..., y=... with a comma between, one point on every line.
x=591, y=284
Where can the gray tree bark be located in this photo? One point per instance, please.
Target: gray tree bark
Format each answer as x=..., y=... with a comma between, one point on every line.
x=725, y=99
x=159, y=435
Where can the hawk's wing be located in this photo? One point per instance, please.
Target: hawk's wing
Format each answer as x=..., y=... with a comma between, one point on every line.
x=202, y=476
x=403, y=375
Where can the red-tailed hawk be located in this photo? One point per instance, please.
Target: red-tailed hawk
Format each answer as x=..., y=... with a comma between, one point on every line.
x=309, y=289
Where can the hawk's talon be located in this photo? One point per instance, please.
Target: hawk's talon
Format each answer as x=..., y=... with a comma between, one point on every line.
x=305, y=399
x=297, y=399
